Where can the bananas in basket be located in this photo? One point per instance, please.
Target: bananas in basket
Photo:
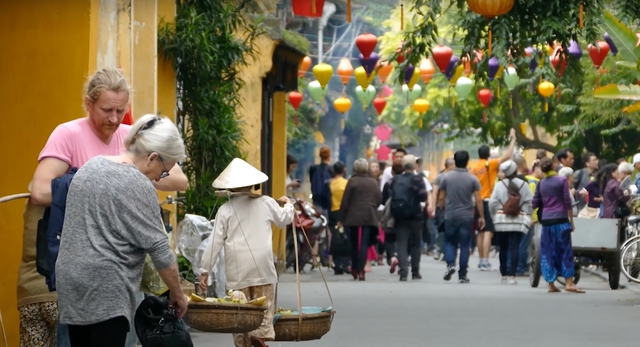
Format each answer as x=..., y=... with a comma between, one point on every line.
x=231, y=298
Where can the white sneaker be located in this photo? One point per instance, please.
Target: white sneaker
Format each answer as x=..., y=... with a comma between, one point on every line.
x=503, y=280
x=512, y=280
x=485, y=267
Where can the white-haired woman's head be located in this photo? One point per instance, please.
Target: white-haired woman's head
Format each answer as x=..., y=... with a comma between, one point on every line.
x=625, y=169
x=158, y=141
x=567, y=172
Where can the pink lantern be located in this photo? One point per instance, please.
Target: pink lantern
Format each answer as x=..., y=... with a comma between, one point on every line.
x=383, y=153
x=383, y=132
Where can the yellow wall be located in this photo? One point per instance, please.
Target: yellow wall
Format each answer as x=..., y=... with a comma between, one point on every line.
x=43, y=65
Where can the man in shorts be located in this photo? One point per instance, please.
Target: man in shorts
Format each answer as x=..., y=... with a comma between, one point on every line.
x=486, y=170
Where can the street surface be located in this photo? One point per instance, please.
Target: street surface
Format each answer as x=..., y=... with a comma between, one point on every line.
x=431, y=312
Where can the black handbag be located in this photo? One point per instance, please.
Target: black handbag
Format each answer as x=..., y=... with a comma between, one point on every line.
x=157, y=325
x=622, y=211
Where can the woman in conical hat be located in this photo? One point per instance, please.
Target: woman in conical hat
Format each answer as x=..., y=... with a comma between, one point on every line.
x=243, y=228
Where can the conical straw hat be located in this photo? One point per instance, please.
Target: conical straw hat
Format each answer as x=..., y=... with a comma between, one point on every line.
x=239, y=174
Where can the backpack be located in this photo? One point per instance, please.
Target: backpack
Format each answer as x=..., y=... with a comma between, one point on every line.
x=320, y=185
x=403, y=202
x=512, y=206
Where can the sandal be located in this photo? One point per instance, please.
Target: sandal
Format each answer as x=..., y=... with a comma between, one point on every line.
x=575, y=290
x=553, y=289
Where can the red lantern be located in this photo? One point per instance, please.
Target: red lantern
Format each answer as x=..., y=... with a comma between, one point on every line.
x=128, y=118
x=559, y=60
x=366, y=44
x=295, y=99
x=484, y=95
x=379, y=104
x=442, y=54
x=598, y=54
x=400, y=51
x=308, y=8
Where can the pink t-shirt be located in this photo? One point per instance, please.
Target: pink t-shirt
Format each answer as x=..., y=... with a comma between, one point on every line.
x=75, y=143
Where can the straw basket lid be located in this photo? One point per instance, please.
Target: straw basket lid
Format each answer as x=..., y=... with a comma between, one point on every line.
x=239, y=174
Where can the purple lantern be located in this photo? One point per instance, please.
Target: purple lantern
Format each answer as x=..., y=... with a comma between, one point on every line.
x=451, y=68
x=529, y=51
x=494, y=66
x=370, y=63
x=574, y=49
x=612, y=45
x=408, y=73
x=533, y=65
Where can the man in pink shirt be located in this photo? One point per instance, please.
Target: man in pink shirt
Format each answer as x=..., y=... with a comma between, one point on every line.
x=72, y=144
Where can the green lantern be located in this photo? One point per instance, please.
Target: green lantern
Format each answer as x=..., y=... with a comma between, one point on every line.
x=316, y=91
x=464, y=85
x=511, y=78
x=366, y=96
x=411, y=94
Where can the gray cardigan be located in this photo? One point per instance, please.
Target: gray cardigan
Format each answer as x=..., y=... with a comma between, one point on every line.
x=500, y=196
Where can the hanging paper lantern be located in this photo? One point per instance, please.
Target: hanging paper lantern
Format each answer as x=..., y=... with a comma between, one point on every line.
x=323, y=73
x=379, y=104
x=307, y=8
x=511, y=78
x=574, y=49
x=457, y=74
x=414, y=79
x=316, y=91
x=426, y=70
x=366, y=43
x=421, y=105
x=442, y=55
x=464, y=85
x=345, y=70
x=361, y=77
x=128, y=117
x=599, y=53
x=451, y=68
x=370, y=63
x=559, y=61
x=612, y=45
x=342, y=104
x=546, y=89
x=408, y=73
x=305, y=64
x=494, y=65
x=295, y=99
x=490, y=9
x=411, y=94
x=485, y=96
x=365, y=95
x=466, y=63
x=400, y=52
x=500, y=71
x=384, y=70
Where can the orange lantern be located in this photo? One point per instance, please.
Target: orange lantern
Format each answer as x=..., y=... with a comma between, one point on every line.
x=490, y=9
x=345, y=70
x=304, y=66
x=384, y=70
x=427, y=70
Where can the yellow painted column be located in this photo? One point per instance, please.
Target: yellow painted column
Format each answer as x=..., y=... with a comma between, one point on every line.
x=124, y=37
x=279, y=159
x=144, y=66
x=166, y=94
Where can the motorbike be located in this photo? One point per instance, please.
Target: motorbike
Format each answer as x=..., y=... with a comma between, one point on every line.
x=312, y=223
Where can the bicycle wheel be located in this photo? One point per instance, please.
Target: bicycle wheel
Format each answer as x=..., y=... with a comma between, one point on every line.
x=630, y=260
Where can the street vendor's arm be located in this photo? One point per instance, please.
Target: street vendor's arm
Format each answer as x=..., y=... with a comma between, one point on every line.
x=176, y=181
x=48, y=169
x=217, y=239
x=279, y=216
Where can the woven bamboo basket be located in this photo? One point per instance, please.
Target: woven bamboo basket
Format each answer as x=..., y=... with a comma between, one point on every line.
x=312, y=327
x=224, y=318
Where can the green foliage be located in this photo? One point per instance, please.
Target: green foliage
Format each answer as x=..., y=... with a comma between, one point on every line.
x=301, y=125
x=207, y=56
x=296, y=40
x=529, y=23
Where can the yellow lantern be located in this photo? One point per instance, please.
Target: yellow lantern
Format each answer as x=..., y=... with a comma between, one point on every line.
x=546, y=89
x=490, y=9
x=421, y=106
x=342, y=104
x=323, y=73
x=361, y=77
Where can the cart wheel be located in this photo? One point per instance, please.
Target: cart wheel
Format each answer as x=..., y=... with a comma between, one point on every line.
x=614, y=272
x=577, y=274
x=534, y=263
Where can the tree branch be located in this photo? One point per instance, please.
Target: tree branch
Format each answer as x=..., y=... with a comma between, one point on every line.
x=528, y=143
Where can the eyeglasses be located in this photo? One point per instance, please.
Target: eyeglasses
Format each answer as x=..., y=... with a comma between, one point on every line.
x=165, y=172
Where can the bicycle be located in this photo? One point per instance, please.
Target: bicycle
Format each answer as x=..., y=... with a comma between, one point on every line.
x=630, y=249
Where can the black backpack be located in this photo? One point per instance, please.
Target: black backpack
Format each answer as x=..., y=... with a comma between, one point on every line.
x=403, y=198
x=157, y=325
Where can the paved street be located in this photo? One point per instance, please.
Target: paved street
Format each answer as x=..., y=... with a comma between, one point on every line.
x=385, y=312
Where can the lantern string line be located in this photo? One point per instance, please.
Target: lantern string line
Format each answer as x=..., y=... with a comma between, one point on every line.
x=313, y=7
x=581, y=14
x=490, y=43
x=402, y=15
x=348, y=11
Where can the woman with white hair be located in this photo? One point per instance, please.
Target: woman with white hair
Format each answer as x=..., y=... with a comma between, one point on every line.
x=567, y=173
x=359, y=214
x=625, y=170
x=111, y=223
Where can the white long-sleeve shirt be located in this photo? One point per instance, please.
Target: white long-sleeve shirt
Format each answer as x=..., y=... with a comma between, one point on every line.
x=243, y=228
